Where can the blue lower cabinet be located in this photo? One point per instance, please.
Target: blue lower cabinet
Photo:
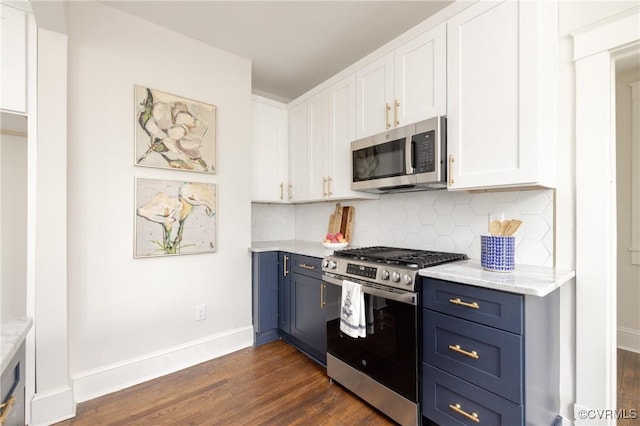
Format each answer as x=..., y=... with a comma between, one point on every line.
x=12, y=390
x=482, y=355
x=448, y=400
x=489, y=352
x=264, y=270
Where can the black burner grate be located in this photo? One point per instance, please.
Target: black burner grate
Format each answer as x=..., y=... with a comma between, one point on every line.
x=400, y=256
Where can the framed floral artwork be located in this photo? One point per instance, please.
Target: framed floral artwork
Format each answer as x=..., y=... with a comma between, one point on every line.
x=174, y=217
x=173, y=132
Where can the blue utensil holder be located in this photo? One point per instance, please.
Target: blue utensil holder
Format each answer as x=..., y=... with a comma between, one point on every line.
x=497, y=252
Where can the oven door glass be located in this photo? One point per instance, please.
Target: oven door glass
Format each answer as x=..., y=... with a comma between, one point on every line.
x=388, y=159
x=388, y=353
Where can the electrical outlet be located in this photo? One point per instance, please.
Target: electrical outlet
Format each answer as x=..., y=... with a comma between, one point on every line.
x=201, y=312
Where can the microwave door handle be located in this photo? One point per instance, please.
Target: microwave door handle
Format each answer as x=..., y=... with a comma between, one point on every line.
x=413, y=156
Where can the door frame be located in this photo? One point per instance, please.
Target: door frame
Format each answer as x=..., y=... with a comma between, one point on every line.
x=595, y=48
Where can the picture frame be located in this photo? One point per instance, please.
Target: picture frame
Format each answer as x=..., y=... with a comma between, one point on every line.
x=173, y=132
x=174, y=218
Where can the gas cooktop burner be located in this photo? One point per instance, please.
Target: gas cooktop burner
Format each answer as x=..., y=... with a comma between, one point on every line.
x=399, y=256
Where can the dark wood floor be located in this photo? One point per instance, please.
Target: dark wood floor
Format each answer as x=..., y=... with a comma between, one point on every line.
x=273, y=384
x=629, y=385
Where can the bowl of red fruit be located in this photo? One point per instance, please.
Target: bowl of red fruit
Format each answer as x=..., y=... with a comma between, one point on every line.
x=335, y=241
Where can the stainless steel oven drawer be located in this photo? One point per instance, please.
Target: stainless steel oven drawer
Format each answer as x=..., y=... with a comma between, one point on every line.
x=494, y=308
x=484, y=356
x=448, y=400
x=306, y=265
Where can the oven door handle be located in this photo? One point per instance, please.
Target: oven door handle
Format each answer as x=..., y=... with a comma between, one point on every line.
x=398, y=295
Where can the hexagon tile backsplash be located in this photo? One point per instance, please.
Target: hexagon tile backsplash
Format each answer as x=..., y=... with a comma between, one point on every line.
x=430, y=220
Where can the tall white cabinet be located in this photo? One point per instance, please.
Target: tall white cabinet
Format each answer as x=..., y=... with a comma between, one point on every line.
x=403, y=86
x=270, y=151
x=501, y=95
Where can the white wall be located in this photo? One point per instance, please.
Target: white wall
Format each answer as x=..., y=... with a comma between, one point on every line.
x=133, y=319
x=13, y=201
x=628, y=273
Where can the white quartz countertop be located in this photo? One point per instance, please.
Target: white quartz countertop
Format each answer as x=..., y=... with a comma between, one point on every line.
x=12, y=334
x=306, y=248
x=525, y=279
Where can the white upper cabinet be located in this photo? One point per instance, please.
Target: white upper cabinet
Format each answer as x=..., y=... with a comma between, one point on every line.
x=13, y=71
x=404, y=86
x=309, y=130
x=298, y=154
x=421, y=77
x=501, y=95
x=321, y=130
x=269, y=151
x=374, y=97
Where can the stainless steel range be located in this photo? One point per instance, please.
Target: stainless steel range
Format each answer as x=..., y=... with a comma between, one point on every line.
x=382, y=366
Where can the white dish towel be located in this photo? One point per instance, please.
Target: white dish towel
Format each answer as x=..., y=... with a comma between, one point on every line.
x=352, y=310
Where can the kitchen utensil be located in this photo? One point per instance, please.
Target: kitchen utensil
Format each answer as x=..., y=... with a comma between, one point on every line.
x=503, y=227
x=512, y=227
x=494, y=227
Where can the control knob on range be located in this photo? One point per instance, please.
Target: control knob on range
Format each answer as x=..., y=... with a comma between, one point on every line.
x=384, y=274
x=395, y=277
x=332, y=264
x=407, y=279
x=325, y=263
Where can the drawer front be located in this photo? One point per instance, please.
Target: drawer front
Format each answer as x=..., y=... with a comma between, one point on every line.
x=484, y=356
x=306, y=265
x=489, y=307
x=448, y=400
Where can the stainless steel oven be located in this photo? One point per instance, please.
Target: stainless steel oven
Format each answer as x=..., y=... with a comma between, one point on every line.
x=381, y=367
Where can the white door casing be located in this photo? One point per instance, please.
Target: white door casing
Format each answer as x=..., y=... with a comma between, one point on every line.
x=594, y=50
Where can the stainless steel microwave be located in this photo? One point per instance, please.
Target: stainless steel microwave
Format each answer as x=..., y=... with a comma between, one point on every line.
x=409, y=158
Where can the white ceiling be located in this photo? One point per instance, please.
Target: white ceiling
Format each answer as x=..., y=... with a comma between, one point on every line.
x=293, y=45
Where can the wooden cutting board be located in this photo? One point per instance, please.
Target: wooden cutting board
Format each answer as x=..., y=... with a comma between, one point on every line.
x=335, y=220
x=348, y=214
x=341, y=220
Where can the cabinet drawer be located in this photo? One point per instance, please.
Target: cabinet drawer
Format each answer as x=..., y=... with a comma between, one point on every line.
x=489, y=307
x=484, y=356
x=306, y=265
x=446, y=400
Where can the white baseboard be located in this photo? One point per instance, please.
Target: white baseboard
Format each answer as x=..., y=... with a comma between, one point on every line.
x=629, y=339
x=110, y=378
x=52, y=406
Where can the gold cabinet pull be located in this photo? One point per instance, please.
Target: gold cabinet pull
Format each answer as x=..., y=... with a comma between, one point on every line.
x=290, y=191
x=387, y=108
x=457, y=301
x=282, y=191
x=458, y=409
x=324, y=186
x=452, y=160
x=286, y=265
x=395, y=112
x=329, y=185
x=309, y=267
x=457, y=348
x=322, y=301
x=6, y=407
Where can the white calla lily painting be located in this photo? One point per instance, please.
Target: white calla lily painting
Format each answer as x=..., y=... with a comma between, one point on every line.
x=174, y=132
x=174, y=217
